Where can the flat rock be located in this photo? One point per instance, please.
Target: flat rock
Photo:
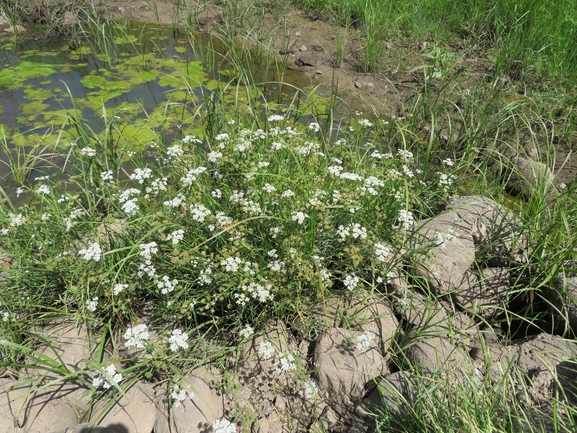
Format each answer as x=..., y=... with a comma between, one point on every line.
x=207, y=405
x=394, y=393
x=343, y=370
x=25, y=411
x=529, y=176
x=437, y=354
x=135, y=411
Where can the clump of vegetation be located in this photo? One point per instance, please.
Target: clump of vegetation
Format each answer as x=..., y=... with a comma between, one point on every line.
x=58, y=16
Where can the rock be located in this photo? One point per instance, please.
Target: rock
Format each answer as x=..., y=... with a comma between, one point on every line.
x=364, y=85
x=33, y=412
x=484, y=291
x=135, y=411
x=17, y=29
x=343, y=369
x=437, y=354
x=306, y=60
x=538, y=359
x=394, y=393
x=528, y=176
x=368, y=313
x=474, y=234
x=3, y=19
x=563, y=301
x=196, y=415
x=424, y=313
x=302, y=48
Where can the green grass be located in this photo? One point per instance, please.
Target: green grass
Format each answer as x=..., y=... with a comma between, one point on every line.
x=256, y=212
x=528, y=37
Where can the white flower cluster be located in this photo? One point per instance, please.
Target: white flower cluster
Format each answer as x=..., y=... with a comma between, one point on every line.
x=365, y=341
x=157, y=186
x=192, y=175
x=406, y=219
x=140, y=174
x=310, y=390
x=43, y=189
x=351, y=282
x=128, y=194
x=107, y=176
x=174, y=151
x=119, y=288
x=179, y=394
x=176, y=201
x=107, y=380
x=166, y=285
x=246, y=332
x=231, y=264
x=382, y=251
x=266, y=350
x=92, y=304
x=17, y=220
x=223, y=425
x=136, y=336
x=130, y=207
x=88, y=151
x=176, y=236
x=299, y=217
x=214, y=156
x=177, y=340
x=275, y=118
x=199, y=212
x=147, y=251
x=93, y=252
x=405, y=155
x=354, y=230
x=286, y=363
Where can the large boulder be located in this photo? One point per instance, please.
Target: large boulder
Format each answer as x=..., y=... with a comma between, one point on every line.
x=468, y=249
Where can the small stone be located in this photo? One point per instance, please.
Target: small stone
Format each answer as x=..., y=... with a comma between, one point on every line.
x=318, y=72
x=298, y=34
x=302, y=48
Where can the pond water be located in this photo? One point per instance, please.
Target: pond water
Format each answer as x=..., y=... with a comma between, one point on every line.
x=134, y=75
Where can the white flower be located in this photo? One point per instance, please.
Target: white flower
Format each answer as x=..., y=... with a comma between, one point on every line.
x=118, y=288
x=315, y=127
x=382, y=251
x=176, y=236
x=191, y=139
x=268, y=188
x=231, y=264
x=131, y=207
x=310, y=390
x=276, y=145
x=157, y=185
x=180, y=394
x=365, y=122
x=246, y=332
x=192, y=175
x=107, y=175
x=165, y=285
x=406, y=219
x=93, y=252
x=405, y=155
x=17, y=220
x=140, y=174
x=147, y=250
x=216, y=193
x=127, y=194
x=136, y=336
x=88, y=151
x=266, y=350
x=223, y=426
x=286, y=363
x=178, y=340
x=448, y=162
x=351, y=282
x=19, y=191
x=199, y=212
x=222, y=137
x=358, y=231
x=174, y=151
x=43, y=189
x=92, y=304
x=275, y=118
x=175, y=202
x=214, y=156
x=365, y=340
x=299, y=217
x=109, y=379
x=288, y=193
